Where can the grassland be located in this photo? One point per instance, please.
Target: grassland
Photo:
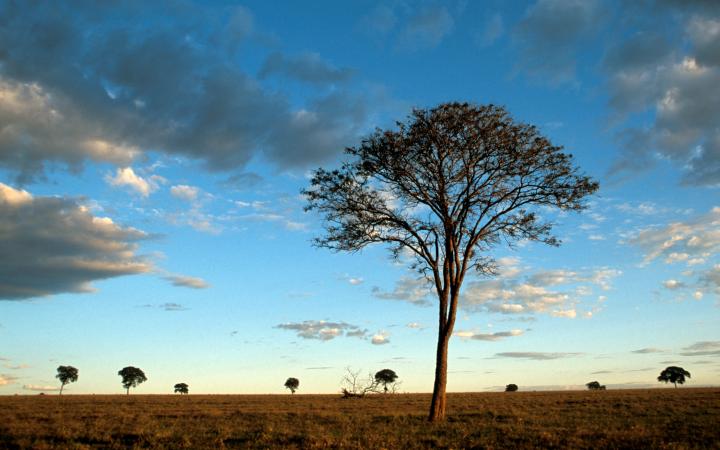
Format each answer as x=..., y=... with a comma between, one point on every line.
x=658, y=418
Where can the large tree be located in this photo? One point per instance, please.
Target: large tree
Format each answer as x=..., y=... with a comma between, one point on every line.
x=131, y=377
x=447, y=185
x=66, y=374
x=674, y=375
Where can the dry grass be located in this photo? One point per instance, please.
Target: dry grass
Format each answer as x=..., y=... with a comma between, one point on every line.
x=659, y=418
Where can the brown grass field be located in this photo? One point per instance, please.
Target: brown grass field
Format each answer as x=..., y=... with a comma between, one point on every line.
x=654, y=418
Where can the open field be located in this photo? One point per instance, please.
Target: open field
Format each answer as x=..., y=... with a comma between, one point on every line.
x=656, y=418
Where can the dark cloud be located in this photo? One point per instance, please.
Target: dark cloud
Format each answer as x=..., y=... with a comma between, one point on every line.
x=426, y=29
x=670, y=68
x=109, y=83
x=308, y=67
x=537, y=356
x=52, y=245
x=702, y=348
x=323, y=330
x=648, y=350
x=551, y=34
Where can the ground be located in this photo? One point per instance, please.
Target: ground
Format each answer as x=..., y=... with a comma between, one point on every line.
x=680, y=418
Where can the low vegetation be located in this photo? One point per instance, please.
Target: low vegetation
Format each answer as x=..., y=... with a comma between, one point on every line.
x=654, y=418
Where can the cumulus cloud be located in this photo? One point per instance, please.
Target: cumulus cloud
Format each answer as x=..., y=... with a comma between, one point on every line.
x=185, y=192
x=551, y=33
x=488, y=336
x=537, y=356
x=670, y=69
x=308, y=67
x=137, y=85
x=380, y=338
x=323, y=330
x=59, y=246
x=126, y=177
x=557, y=292
x=413, y=290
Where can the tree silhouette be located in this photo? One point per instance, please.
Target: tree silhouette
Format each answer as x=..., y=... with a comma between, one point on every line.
x=595, y=386
x=293, y=384
x=447, y=186
x=182, y=388
x=66, y=374
x=131, y=377
x=674, y=374
x=511, y=387
x=385, y=377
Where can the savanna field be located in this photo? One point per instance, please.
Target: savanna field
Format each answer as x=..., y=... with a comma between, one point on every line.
x=682, y=418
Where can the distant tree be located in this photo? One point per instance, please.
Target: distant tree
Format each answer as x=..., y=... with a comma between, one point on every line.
x=386, y=377
x=511, y=387
x=182, y=388
x=447, y=186
x=131, y=377
x=595, y=386
x=674, y=374
x=66, y=374
x=293, y=384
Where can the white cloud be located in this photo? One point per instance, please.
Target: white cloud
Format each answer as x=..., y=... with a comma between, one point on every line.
x=126, y=177
x=36, y=387
x=6, y=379
x=380, y=338
x=673, y=284
x=185, y=192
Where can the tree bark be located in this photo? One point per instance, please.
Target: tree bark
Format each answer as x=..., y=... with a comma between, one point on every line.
x=437, y=407
x=62, y=385
x=127, y=391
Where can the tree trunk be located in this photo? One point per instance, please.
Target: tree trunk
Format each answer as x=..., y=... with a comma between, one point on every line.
x=62, y=385
x=437, y=407
x=675, y=383
x=127, y=391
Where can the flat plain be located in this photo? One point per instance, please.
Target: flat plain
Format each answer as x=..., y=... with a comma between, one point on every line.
x=683, y=418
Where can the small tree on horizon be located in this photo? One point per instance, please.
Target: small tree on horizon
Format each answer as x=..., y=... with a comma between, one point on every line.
x=595, y=386
x=447, y=186
x=66, y=374
x=386, y=377
x=674, y=374
x=131, y=377
x=293, y=384
x=182, y=388
x=512, y=387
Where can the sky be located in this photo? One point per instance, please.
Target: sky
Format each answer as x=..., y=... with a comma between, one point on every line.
x=152, y=160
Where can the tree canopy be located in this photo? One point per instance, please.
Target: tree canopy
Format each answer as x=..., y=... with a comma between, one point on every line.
x=131, y=377
x=293, y=384
x=386, y=377
x=511, y=387
x=447, y=186
x=182, y=388
x=66, y=374
x=674, y=374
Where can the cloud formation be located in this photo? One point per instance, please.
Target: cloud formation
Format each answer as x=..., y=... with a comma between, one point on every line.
x=537, y=356
x=413, y=290
x=498, y=335
x=121, y=85
x=323, y=330
x=39, y=388
x=702, y=348
x=550, y=35
x=307, y=67
x=670, y=73
x=187, y=281
x=59, y=246
x=380, y=338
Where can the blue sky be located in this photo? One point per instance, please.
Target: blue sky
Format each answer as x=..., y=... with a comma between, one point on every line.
x=152, y=158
